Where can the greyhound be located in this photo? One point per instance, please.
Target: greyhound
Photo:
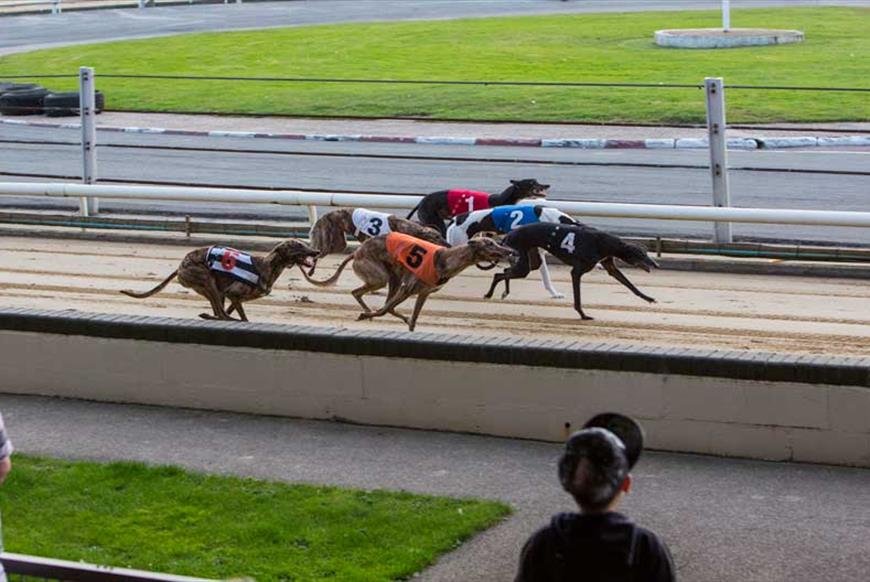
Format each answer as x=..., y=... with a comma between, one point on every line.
x=219, y=273
x=582, y=247
x=409, y=266
x=504, y=219
x=328, y=235
x=439, y=206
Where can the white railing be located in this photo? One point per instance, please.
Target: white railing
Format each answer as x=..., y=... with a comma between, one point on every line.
x=299, y=198
x=57, y=5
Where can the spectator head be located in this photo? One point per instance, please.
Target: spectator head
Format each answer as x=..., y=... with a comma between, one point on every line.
x=595, y=464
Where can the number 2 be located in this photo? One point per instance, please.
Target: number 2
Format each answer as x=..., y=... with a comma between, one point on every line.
x=568, y=242
x=517, y=216
x=374, y=228
x=415, y=256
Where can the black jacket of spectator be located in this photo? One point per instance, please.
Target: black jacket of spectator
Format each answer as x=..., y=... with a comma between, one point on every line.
x=595, y=547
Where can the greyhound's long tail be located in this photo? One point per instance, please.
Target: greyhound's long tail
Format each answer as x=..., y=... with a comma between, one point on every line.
x=152, y=291
x=410, y=214
x=332, y=280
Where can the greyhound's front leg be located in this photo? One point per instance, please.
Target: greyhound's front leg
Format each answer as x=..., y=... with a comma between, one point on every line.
x=545, y=276
x=614, y=272
x=497, y=278
x=418, y=306
x=402, y=293
x=575, y=280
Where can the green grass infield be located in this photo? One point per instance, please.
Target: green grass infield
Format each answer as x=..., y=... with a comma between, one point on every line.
x=169, y=520
x=565, y=48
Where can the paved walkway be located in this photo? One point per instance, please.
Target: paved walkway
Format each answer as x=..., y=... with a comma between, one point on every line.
x=725, y=520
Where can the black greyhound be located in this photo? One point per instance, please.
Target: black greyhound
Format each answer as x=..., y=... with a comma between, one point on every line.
x=580, y=246
x=439, y=206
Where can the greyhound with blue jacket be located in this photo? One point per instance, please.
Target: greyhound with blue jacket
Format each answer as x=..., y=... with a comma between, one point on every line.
x=504, y=219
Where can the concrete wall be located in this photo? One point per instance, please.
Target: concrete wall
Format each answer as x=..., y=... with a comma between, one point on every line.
x=789, y=420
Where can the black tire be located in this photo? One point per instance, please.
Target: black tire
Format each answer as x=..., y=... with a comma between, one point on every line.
x=6, y=86
x=22, y=102
x=67, y=104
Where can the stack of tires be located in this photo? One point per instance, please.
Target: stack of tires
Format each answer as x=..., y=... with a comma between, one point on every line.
x=31, y=99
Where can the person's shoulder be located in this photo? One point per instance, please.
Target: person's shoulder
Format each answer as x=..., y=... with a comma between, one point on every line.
x=653, y=556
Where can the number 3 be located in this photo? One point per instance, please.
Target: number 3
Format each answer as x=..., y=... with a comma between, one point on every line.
x=568, y=242
x=374, y=228
x=415, y=257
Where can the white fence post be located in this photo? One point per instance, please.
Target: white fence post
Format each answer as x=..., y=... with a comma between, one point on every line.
x=726, y=15
x=312, y=215
x=715, y=91
x=55, y=7
x=87, y=106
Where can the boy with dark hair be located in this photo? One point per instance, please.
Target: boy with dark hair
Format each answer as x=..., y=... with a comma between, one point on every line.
x=597, y=544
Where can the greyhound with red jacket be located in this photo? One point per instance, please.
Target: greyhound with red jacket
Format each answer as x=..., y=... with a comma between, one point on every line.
x=581, y=247
x=439, y=206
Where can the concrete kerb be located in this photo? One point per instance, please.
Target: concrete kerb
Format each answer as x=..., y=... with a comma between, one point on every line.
x=740, y=143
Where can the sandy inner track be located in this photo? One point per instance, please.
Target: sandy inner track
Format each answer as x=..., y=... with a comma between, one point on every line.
x=700, y=310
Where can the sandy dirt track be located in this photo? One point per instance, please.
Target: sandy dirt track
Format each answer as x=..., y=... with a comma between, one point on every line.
x=700, y=310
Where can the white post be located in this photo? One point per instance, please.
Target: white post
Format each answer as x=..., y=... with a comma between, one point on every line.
x=55, y=7
x=87, y=107
x=718, y=153
x=726, y=15
x=312, y=215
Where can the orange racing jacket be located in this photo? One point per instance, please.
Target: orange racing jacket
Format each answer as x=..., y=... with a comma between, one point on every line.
x=416, y=255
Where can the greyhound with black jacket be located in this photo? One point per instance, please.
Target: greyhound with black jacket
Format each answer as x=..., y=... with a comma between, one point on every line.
x=439, y=206
x=504, y=219
x=581, y=247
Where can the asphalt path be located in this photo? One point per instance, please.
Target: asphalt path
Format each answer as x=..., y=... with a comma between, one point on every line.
x=24, y=33
x=724, y=519
x=808, y=179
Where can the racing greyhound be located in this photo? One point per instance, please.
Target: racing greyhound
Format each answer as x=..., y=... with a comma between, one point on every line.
x=410, y=266
x=580, y=246
x=220, y=273
x=504, y=219
x=439, y=206
x=329, y=233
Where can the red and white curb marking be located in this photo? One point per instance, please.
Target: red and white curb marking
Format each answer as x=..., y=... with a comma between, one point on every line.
x=740, y=143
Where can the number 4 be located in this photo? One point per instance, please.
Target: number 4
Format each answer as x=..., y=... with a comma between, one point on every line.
x=568, y=242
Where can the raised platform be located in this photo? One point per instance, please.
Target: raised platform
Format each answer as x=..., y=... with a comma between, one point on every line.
x=746, y=404
x=707, y=38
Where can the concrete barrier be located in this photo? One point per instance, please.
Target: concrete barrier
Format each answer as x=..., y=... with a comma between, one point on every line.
x=765, y=406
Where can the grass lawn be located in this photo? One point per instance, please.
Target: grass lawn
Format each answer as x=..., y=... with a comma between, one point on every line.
x=583, y=47
x=169, y=520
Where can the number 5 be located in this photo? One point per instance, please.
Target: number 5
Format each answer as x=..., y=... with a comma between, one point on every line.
x=568, y=242
x=415, y=257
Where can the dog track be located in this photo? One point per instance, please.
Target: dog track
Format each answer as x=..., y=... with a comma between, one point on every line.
x=700, y=310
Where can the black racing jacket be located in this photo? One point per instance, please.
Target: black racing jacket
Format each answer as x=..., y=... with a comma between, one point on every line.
x=595, y=547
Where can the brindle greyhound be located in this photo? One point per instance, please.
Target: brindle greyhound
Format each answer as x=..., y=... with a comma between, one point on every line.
x=328, y=235
x=378, y=268
x=195, y=273
x=581, y=247
x=439, y=206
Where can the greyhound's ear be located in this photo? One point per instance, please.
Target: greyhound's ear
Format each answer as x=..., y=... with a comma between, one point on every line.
x=515, y=182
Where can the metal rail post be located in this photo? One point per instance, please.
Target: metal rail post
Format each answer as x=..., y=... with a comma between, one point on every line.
x=87, y=106
x=312, y=215
x=718, y=153
x=726, y=15
x=56, y=7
